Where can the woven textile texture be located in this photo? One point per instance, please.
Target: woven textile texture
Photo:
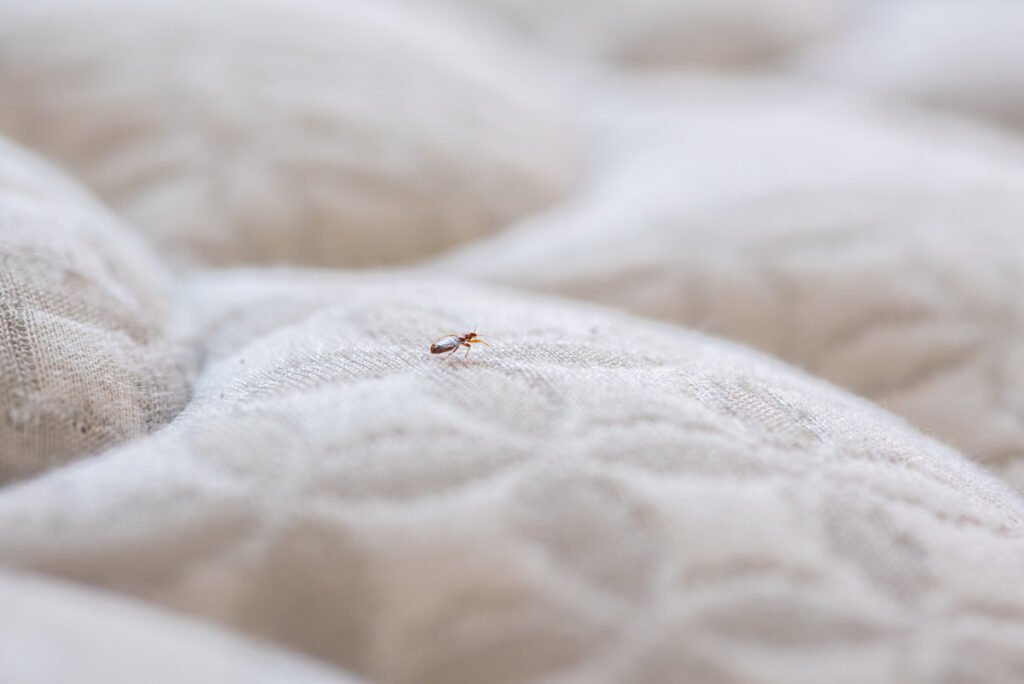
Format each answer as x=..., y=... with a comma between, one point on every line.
x=896, y=274
x=750, y=272
x=90, y=350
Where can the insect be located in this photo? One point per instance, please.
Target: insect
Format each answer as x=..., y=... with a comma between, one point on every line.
x=452, y=343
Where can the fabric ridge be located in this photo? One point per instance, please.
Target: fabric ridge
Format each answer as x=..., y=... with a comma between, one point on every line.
x=91, y=353
x=750, y=276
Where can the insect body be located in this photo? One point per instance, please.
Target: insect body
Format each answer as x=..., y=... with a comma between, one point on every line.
x=452, y=343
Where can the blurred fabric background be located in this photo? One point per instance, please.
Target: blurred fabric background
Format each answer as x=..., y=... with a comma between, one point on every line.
x=752, y=270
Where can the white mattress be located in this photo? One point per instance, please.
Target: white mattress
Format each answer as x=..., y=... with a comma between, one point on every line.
x=751, y=273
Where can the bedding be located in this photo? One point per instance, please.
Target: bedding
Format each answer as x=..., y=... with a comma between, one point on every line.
x=55, y=632
x=752, y=411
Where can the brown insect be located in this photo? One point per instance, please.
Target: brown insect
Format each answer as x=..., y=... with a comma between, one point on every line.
x=451, y=343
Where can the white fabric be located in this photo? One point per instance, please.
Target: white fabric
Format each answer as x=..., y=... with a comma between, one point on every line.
x=593, y=499
x=336, y=132
x=881, y=250
x=273, y=466
x=51, y=632
x=90, y=349
x=660, y=33
x=965, y=56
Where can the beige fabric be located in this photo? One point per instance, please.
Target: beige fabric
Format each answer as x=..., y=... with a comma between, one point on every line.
x=881, y=251
x=90, y=353
x=50, y=632
x=660, y=33
x=336, y=132
x=966, y=56
x=594, y=499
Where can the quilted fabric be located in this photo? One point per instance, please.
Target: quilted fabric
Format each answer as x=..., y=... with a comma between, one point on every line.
x=286, y=131
x=896, y=274
x=751, y=411
x=595, y=499
x=92, y=352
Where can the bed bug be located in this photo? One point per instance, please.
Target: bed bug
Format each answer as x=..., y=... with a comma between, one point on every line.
x=451, y=343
